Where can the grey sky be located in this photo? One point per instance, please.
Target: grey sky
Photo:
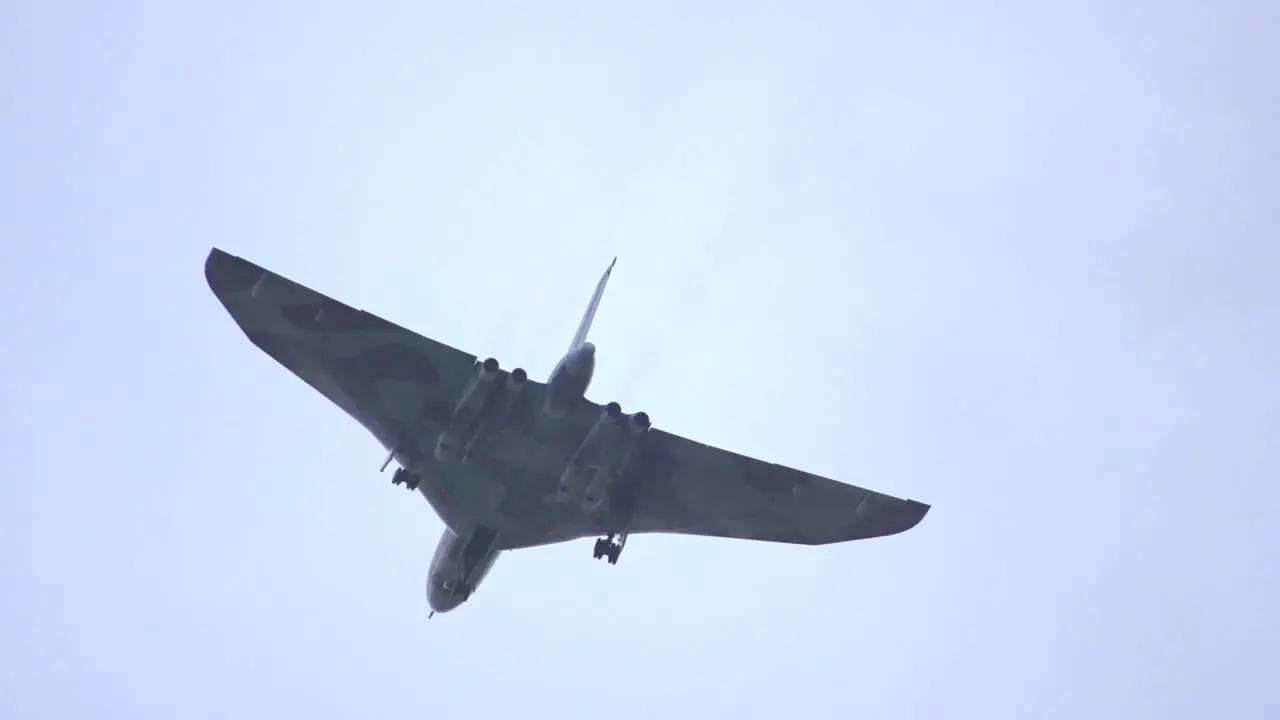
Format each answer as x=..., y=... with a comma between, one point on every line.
x=1009, y=260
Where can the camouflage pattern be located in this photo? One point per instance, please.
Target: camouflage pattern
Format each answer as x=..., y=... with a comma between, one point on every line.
x=402, y=388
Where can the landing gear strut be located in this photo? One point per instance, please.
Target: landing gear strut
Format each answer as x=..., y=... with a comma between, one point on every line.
x=610, y=547
x=406, y=478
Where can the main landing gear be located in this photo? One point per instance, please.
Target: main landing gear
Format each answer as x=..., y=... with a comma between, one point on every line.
x=402, y=476
x=610, y=547
x=406, y=478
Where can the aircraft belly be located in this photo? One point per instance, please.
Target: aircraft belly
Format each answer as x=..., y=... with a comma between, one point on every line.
x=511, y=489
x=461, y=496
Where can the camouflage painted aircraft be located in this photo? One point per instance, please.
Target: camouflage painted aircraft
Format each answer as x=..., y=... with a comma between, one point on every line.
x=510, y=463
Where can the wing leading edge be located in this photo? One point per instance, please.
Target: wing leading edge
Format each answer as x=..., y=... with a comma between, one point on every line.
x=392, y=381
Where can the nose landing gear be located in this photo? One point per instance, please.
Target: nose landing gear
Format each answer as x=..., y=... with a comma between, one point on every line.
x=610, y=547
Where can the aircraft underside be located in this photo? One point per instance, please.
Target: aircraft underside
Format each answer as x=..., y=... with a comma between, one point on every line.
x=508, y=462
x=492, y=407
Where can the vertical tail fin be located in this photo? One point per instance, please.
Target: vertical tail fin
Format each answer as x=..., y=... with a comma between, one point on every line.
x=580, y=337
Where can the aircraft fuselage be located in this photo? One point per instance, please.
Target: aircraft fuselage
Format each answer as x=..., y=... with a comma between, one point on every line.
x=466, y=552
x=570, y=379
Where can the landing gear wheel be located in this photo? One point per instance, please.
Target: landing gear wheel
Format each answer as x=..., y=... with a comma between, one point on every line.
x=406, y=478
x=610, y=548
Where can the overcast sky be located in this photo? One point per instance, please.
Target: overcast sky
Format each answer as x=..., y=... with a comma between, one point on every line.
x=1015, y=261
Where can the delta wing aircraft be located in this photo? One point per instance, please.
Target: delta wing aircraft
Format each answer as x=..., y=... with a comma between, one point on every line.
x=508, y=462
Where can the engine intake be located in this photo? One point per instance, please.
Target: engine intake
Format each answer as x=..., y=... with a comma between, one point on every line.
x=488, y=370
x=516, y=379
x=639, y=423
x=612, y=413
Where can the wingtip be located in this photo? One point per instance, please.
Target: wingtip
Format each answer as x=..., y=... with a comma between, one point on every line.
x=212, y=268
x=227, y=273
x=910, y=514
x=915, y=513
x=890, y=520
